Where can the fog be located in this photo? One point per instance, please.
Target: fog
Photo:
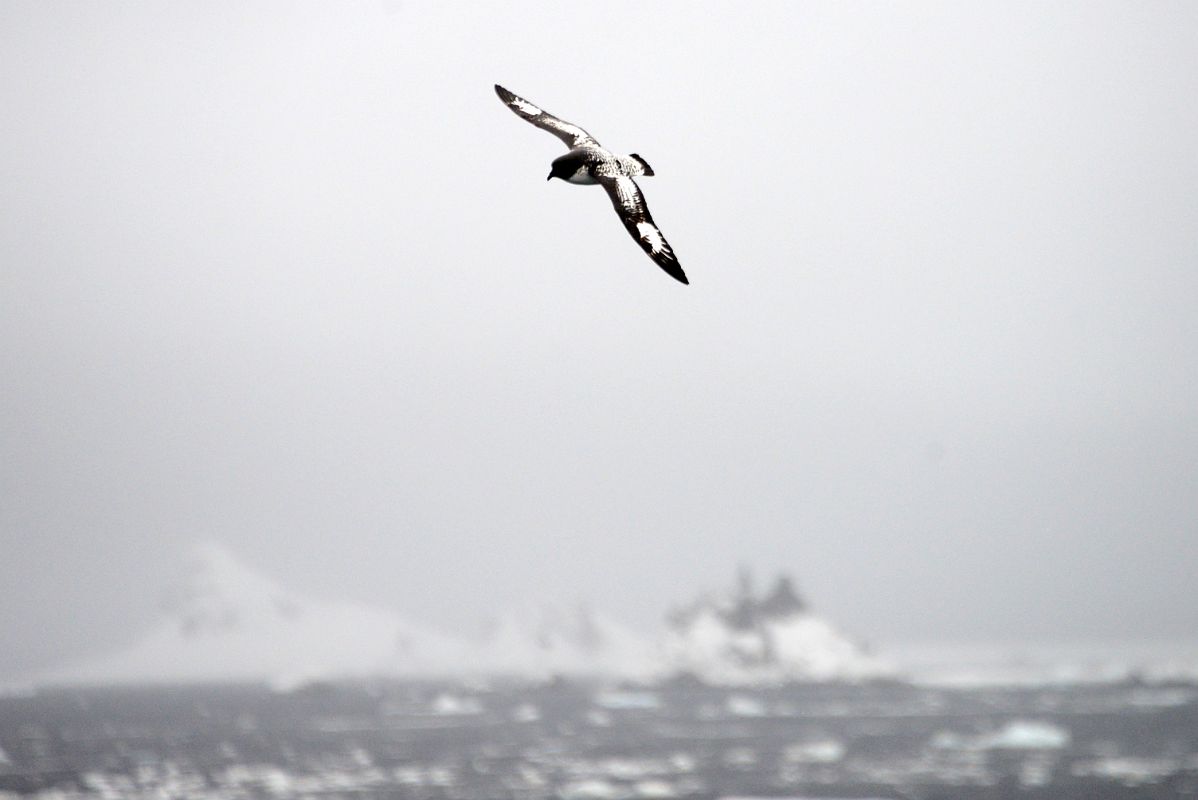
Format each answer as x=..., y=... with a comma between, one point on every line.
x=290, y=277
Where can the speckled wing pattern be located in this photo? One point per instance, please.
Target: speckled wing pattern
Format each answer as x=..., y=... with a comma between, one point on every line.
x=630, y=204
x=568, y=132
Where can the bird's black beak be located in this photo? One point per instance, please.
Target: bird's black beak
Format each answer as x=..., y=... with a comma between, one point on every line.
x=550, y=177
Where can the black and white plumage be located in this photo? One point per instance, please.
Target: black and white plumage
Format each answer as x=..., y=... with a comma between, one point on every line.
x=587, y=162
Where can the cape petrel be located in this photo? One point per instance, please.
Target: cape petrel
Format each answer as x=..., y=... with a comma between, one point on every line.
x=588, y=163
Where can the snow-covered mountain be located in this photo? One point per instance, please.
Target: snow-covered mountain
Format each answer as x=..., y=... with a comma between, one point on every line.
x=743, y=639
x=225, y=621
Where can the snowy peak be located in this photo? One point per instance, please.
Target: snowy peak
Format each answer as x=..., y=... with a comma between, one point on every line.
x=783, y=601
x=226, y=621
x=741, y=638
x=220, y=594
x=743, y=610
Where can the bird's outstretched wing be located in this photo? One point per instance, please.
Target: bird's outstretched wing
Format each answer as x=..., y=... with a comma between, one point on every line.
x=630, y=204
x=569, y=133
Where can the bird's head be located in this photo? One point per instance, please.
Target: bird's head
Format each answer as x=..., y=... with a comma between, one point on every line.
x=561, y=168
x=565, y=166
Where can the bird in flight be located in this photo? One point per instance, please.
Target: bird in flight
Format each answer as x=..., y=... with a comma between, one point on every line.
x=588, y=162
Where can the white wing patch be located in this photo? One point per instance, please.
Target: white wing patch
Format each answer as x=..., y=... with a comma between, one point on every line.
x=629, y=203
x=525, y=106
x=572, y=135
x=650, y=234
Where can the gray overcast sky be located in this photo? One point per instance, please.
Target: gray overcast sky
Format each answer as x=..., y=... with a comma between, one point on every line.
x=289, y=276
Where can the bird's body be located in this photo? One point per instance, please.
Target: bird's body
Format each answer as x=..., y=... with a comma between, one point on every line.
x=589, y=163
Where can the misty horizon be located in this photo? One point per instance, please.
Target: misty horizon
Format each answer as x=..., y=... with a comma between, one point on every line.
x=223, y=620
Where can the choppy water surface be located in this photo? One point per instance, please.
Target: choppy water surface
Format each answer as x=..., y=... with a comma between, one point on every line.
x=578, y=741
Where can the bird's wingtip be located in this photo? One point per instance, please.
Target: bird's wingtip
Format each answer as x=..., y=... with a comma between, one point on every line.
x=674, y=270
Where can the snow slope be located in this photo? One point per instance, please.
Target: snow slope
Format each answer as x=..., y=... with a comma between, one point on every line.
x=228, y=622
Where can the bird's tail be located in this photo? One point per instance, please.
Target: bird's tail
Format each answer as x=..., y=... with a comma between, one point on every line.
x=645, y=168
